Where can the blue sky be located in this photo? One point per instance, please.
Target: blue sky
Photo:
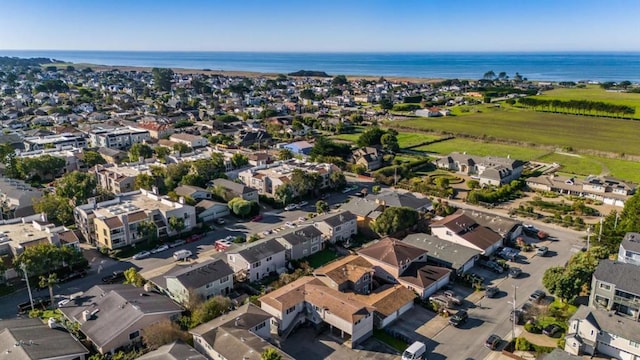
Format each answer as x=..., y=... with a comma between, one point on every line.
x=326, y=25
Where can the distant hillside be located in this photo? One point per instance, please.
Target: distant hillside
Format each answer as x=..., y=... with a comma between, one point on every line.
x=309, y=73
x=14, y=61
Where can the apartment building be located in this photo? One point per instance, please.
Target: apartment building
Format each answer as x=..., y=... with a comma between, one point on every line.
x=113, y=224
x=60, y=141
x=119, y=179
x=118, y=138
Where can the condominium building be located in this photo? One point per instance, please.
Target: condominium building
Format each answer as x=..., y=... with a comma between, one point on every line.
x=118, y=138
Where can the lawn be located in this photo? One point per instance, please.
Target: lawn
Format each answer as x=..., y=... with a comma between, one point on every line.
x=483, y=149
x=347, y=137
x=406, y=139
x=594, y=165
x=397, y=344
x=537, y=128
x=321, y=258
x=593, y=93
x=622, y=169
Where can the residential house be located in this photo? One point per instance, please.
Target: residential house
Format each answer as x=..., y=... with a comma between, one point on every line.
x=599, y=332
x=193, y=192
x=462, y=229
x=176, y=350
x=209, y=210
x=119, y=179
x=400, y=198
x=157, y=130
x=395, y=261
x=17, y=198
x=433, y=112
x=268, y=179
x=299, y=147
x=254, y=137
x=337, y=227
x=113, y=156
x=241, y=334
x=508, y=228
x=629, y=251
x=113, y=316
x=193, y=141
x=233, y=189
x=120, y=138
x=606, y=189
x=559, y=354
x=59, y=142
x=443, y=253
x=258, y=260
x=206, y=279
x=113, y=224
x=309, y=300
x=369, y=157
x=615, y=286
x=489, y=170
x=301, y=242
x=30, y=339
x=351, y=273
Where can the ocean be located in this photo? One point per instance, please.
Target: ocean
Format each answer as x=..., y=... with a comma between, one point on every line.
x=576, y=66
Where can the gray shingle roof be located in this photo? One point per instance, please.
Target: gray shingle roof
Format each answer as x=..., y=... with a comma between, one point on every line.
x=200, y=274
x=177, y=350
x=47, y=343
x=631, y=241
x=558, y=354
x=399, y=199
x=259, y=251
x=336, y=219
x=446, y=251
x=626, y=277
x=233, y=186
x=120, y=307
x=300, y=235
x=609, y=322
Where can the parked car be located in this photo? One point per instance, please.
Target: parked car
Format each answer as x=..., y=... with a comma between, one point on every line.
x=552, y=330
x=518, y=314
x=256, y=218
x=141, y=255
x=220, y=221
x=508, y=253
x=290, y=224
x=302, y=218
x=177, y=243
x=451, y=295
x=303, y=203
x=115, y=277
x=493, y=342
x=291, y=207
x=492, y=292
x=266, y=232
x=492, y=265
x=537, y=296
x=160, y=248
x=74, y=275
x=182, y=254
x=40, y=303
x=459, y=318
x=515, y=272
x=542, y=251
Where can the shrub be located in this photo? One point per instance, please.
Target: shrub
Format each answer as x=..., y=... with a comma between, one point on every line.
x=522, y=344
x=532, y=328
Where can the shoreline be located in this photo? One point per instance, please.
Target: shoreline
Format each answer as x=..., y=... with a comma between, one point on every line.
x=238, y=73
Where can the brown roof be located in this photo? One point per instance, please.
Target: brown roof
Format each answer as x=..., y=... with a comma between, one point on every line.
x=113, y=222
x=392, y=251
x=456, y=222
x=423, y=275
x=344, y=305
x=68, y=237
x=482, y=237
x=350, y=268
x=137, y=216
x=388, y=299
x=288, y=295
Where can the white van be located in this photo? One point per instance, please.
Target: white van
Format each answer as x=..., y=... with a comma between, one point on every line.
x=415, y=351
x=182, y=254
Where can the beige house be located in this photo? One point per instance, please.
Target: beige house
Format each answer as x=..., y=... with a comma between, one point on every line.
x=113, y=316
x=606, y=189
x=113, y=224
x=193, y=141
x=119, y=179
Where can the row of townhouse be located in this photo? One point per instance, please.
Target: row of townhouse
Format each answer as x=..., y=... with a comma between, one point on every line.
x=268, y=179
x=109, y=137
x=610, y=324
x=113, y=224
x=601, y=188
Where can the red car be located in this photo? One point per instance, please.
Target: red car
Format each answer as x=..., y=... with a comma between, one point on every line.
x=256, y=218
x=194, y=237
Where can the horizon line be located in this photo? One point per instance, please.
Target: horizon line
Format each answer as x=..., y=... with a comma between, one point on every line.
x=346, y=52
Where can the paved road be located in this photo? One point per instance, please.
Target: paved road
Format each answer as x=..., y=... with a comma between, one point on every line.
x=491, y=316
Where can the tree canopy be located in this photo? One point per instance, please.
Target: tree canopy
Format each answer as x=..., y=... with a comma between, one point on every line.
x=394, y=219
x=162, y=78
x=77, y=186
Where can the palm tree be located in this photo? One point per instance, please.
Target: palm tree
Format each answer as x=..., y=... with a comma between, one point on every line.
x=49, y=281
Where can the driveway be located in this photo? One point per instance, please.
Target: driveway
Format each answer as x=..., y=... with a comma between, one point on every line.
x=304, y=343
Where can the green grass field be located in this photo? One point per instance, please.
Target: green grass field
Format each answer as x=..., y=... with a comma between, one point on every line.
x=483, y=149
x=593, y=165
x=593, y=93
x=537, y=128
x=406, y=139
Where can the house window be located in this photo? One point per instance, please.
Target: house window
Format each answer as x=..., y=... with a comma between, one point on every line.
x=357, y=322
x=634, y=344
x=224, y=279
x=338, y=228
x=449, y=233
x=291, y=309
x=604, y=286
x=260, y=326
x=268, y=259
x=134, y=335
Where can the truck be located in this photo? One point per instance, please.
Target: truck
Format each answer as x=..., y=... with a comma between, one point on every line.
x=415, y=351
x=38, y=303
x=182, y=254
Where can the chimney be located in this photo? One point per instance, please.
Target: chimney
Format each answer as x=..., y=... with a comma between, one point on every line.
x=181, y=200
x=86, y=315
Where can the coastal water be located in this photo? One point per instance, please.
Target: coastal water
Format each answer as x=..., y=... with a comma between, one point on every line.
x=534, y=66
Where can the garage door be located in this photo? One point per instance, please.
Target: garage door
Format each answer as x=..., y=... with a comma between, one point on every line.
x=614, y=352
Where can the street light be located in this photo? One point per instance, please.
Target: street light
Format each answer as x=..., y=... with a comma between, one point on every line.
x=26, y=278
x=515, y=316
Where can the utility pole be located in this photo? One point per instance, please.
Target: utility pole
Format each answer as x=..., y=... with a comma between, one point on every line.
x=588, y=236
x=615, y=225
x=26, y=278
x=515, y=316
x=600, y=233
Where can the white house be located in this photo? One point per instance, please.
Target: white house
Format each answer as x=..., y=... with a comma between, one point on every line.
x=337, y=227
x=258, y=260
x=462, y=229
